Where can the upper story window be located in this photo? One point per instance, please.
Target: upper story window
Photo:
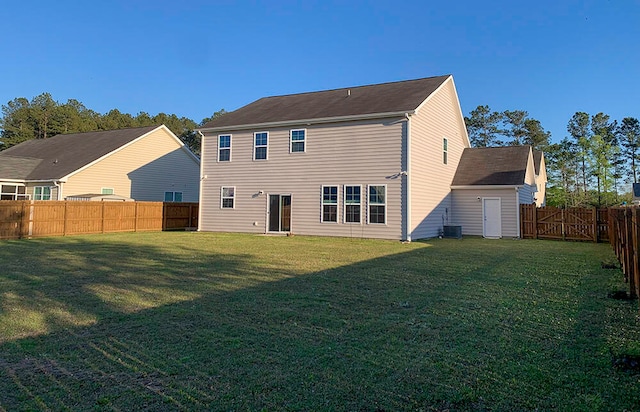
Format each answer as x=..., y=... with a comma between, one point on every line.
x=106, y=191
x=330, y=204
x=228, y=197
x=224, y=148
x=42, y=193
x=260, y=145
x=298, y=140
x=13, y=192
x=445, y=149
x=173, y=196
x=352, y=204
x=378, y=204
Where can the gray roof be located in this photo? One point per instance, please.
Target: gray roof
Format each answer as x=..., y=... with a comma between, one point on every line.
x=537, y=159
x=60, y=155
x=403, y=96
x=492, y=166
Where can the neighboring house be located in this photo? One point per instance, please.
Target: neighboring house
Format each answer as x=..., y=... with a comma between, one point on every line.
x=489, y=186
x=372, y=161
x=144, y=163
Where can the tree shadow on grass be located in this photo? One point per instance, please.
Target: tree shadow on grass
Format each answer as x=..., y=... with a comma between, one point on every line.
x=421, y=329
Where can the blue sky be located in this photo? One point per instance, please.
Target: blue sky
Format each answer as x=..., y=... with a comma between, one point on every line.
x=192, y=58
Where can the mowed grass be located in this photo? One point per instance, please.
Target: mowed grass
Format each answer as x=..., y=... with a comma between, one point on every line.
x=200, y=321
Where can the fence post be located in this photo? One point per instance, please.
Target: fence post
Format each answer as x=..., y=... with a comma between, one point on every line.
x=135, y=217
x=64, y=221
x=535, y=222
x=595, y=224
x=102, y=216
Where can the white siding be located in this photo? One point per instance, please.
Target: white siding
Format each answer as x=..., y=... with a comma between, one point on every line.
x=362, y=153
x=467, y=206
x=431, y=179
x=144, y=170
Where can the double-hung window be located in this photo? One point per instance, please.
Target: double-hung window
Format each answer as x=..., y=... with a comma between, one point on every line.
x=330, y=204
x=228, y=197
x=224, y=148
x=352, y=204
x=378, y=204
x=260, y=145
x=445, y=149
x=173, y=196
x=42, y=193
x=298, y=140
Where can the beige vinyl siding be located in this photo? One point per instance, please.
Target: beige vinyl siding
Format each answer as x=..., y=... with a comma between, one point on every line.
x=468, y=210
x=358, y=153
x=143, y=170
x=541, y=183
x=431, y=179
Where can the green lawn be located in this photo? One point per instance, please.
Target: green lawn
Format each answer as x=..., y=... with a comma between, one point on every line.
x=197, y=321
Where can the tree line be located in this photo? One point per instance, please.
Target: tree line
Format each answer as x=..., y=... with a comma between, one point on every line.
x=43, y=117
x=592, y=166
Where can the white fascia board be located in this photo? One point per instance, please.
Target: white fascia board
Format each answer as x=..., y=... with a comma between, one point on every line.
x=479, y=187
x=13, y=181
x=298, y=122
x=433, y=93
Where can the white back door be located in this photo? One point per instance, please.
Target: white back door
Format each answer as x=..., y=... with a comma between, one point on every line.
x=492, y=215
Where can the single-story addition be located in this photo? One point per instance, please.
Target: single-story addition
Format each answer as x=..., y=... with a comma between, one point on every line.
x=371, y=161
x=491, y=184
x=143, y=163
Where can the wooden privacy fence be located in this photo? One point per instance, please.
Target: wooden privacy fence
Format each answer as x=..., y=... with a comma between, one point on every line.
x=581, y=224
x=20, y=219
x=624, y=234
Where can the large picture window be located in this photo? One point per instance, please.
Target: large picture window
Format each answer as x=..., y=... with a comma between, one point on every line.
x=378, y=204
x=228, y=197
x=42, y=193
x=330, y=204
x=260, y=145
x=224, y=148
x=13, y=192
x=298, y=140
x=352, y=204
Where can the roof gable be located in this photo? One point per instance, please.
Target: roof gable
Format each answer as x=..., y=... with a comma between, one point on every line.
x=371, y=100
x=60, y=155
x=493, y=166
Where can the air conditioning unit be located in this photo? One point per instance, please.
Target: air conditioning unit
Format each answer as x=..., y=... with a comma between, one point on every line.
x=452, y=231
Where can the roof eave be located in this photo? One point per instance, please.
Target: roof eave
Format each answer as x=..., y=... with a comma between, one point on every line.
x=335, y=119
x=486, y=186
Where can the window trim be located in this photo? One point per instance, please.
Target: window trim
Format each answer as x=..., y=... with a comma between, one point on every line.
x=232, y=197
x=369, y=204
x=445, y=150
x=345, y=204
x=256, y=146
x=323, y=204
x=40, y=196
x=304, y=141
x=224, y=148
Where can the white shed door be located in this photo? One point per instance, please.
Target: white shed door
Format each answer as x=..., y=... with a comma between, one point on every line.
x=491, y=211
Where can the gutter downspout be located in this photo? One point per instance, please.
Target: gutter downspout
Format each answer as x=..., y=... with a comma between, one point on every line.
x=58, y=185
x=408, y=178
x=201, y=183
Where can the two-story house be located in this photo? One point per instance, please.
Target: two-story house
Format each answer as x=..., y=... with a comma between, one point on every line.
x=372, y=161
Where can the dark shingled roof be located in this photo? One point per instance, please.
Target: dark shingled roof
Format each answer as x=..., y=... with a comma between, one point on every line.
x=60, y=155
x=537, y=159
x=492, y=166
x=393, y=97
